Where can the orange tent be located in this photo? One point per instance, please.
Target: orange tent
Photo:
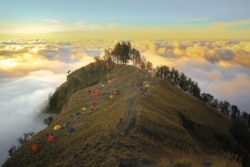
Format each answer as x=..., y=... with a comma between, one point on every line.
x=51, y=138
x=96, y=93
x=34, y=148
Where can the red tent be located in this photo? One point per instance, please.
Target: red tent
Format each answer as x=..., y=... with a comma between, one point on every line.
x=34, y=148
x=96, y=93
x=51, y=138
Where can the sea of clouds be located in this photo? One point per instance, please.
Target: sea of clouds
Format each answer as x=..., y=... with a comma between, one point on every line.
x=32, y=69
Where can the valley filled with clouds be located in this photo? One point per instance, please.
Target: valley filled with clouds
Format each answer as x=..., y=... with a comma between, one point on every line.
x=32, y=69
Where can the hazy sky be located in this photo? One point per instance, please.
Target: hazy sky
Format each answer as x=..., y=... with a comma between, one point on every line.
x=140, y=19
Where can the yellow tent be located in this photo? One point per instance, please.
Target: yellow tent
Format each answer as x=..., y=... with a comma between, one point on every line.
x=56, y=127
x=111, y=96
x=146, y=86
x=84, y=109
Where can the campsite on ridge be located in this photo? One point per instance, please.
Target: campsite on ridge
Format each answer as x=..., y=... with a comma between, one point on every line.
x=113, y=114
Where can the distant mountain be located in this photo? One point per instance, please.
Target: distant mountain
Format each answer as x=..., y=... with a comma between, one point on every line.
x=128, y=118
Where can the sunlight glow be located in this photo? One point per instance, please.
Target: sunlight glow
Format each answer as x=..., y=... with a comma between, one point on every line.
x=8, y=63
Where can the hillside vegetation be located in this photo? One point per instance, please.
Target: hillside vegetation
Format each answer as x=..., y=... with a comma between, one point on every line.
x=129, y=118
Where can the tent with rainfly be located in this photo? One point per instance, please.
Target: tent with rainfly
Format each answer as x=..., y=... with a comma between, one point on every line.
x=34, y=148
x=51, y=138
x=146, y=84
x=56, y=127
x=71, y=130
x=96, y=93
x=84, y=108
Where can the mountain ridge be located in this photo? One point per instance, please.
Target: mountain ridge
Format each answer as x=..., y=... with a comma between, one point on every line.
x=148, y=122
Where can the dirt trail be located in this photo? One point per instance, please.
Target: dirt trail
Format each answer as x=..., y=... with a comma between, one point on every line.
x=130, y=115
x=129, y=118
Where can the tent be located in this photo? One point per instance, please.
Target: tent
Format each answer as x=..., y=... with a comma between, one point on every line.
x=97, y=92
x=34, y=148
x=70, y=130
x=146, y=85
x=56, y=127
x=84, y=109
x=51, y=138
x=111, y=96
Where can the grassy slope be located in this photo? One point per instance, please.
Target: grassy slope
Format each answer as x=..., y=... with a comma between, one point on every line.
x=164, y=125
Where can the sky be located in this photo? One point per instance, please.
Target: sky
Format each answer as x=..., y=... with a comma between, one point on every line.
x=41, y=40
x=141, y=19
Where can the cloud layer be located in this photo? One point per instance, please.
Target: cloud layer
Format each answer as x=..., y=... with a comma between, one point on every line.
x=18, y=58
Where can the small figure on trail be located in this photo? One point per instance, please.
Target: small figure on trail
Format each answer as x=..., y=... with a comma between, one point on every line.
x=116, y=92
x=77, y=114
x=89, y=91
x=140, y=89
x=121, y=119
x=92, y=106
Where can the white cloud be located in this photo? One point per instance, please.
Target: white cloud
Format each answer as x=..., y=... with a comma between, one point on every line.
x=19, y=101
x=27, y=56
x=224, y=53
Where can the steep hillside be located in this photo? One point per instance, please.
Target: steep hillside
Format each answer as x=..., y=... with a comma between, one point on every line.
x=137, y=120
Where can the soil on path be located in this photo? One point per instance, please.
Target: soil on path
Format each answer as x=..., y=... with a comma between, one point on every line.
x=129, y=119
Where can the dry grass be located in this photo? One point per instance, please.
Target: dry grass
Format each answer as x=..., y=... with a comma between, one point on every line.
x=191, y=160
x=153, y=132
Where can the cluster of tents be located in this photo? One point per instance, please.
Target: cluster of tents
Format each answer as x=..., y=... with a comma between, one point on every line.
x=142, y=87
x=50, y=138
x=95, y=94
